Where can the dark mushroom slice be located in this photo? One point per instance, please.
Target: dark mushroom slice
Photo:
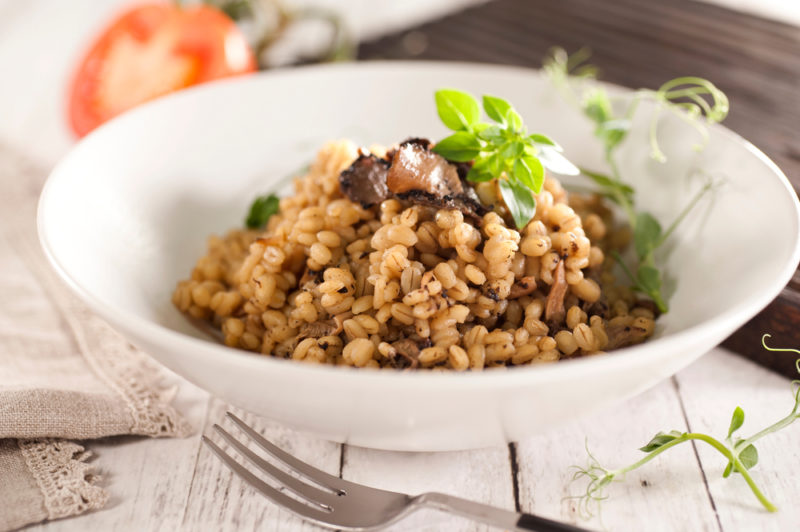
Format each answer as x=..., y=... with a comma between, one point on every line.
x=364, y=181
x=468, y=207
x=318, y=329
x=408, y=352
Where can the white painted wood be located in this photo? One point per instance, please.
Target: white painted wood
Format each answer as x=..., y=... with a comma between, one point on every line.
x=483, y=475
x=667, y=494
x=711, y=389
x=220, y=501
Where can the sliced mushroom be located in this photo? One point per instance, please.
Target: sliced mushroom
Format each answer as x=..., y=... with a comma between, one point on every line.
x=364, y=181
x=414, y=173
x=554, y=309
x=624, y=335
x=522, y=287
x=318, y=329
x=468, y=207
x=415, y=167
x=409, y=350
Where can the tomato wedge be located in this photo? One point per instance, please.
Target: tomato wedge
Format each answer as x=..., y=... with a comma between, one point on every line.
x=152, y=50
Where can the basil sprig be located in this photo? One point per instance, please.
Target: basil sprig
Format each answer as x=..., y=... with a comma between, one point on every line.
x=501, y=149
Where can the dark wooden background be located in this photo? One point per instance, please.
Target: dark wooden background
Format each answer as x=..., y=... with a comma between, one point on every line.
x=642, y=43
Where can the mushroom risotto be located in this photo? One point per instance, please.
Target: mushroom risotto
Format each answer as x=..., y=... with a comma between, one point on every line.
x=393, y=259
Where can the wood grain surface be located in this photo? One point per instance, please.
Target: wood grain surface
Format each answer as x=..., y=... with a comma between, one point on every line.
x=642, y=43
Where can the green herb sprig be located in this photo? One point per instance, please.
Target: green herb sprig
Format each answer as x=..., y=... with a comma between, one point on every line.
x=696, y=101
x=261, y=210
x=740, y=453
x=502, y=149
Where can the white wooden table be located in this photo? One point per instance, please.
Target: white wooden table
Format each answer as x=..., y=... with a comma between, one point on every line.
x=179, y=485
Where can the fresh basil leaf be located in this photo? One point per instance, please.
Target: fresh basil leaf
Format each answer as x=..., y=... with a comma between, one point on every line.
x=512, y=150
x=554, y=161
x=493, y=135
x=459, y=147
x=458, y=110
x=513, y=119
x=520, y=202
x=538, y=138
x=736, y=421
x=485, y=168
x=537, y=172
x=494, y=164
x=522, y=173
x=261, y=210
x=660, y=439
x=496, y=108
x=479, y=175
x=646, y=234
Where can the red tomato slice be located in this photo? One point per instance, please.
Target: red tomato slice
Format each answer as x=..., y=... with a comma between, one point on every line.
x=150, y=51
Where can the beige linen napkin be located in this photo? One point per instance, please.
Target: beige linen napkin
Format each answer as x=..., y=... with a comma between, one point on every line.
x=64, y=374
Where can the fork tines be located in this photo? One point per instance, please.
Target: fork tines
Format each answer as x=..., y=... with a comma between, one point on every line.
x=314, y=503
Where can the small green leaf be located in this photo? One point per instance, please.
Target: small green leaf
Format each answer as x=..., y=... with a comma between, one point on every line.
x=597, y=106
x=529, y=171
x=485, y=168
x=612, y=187
x=261, y=210
x=612, y=132
x=728, y=470
x=458, y=110
x=538, y=138
x=494, y=164
x=513, y=119
x=493, y=135
x=554, y=161
x=459, y=147
x=520, y=202
x=478, y=175
x=523, y=173
x=479, y=127
x=749, y=457
x=496, y=108
x=736, y=421
x=512, y=150
x=648, y=279
x=646, y=234
x=660, y=439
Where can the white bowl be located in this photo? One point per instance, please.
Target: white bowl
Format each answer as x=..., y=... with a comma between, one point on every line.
x=127, y=212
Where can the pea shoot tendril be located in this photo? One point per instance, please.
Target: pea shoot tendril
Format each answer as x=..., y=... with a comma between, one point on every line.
x=740, y=453
x=696, y=101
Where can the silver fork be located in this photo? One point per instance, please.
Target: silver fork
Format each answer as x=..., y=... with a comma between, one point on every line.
x=332, y=502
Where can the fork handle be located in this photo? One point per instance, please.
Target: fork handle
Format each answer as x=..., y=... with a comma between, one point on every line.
x=492, y=515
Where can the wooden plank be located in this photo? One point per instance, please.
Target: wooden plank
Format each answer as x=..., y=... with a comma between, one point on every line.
x=483, y=475
x=710, y=389
x=220, y=501
x=648, y=498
